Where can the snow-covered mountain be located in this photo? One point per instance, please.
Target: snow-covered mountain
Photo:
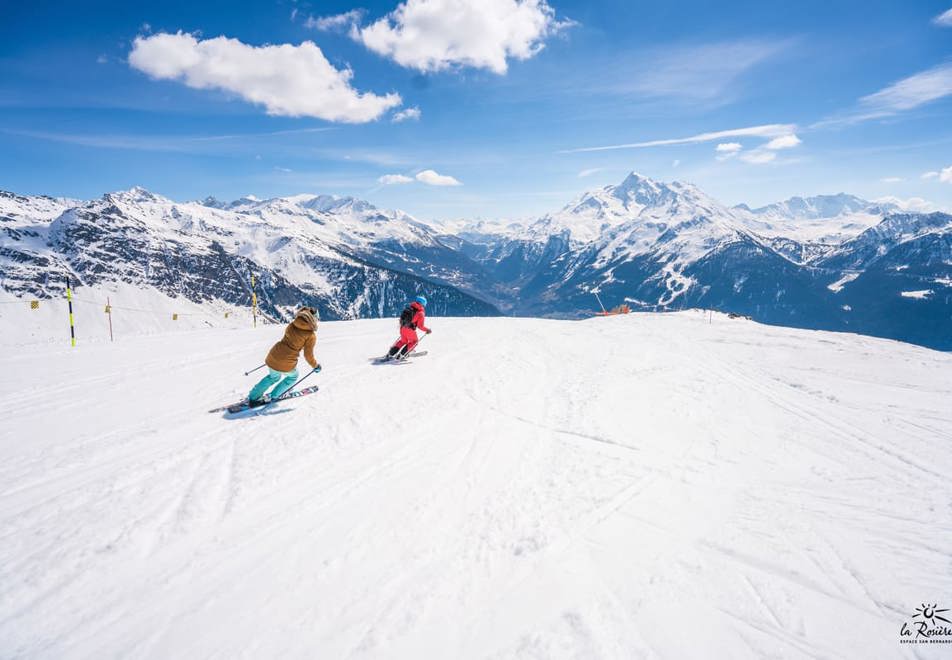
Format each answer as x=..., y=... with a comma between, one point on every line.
x=823, y=219
x=342, y=255
x=669, y=245
x=832, y=262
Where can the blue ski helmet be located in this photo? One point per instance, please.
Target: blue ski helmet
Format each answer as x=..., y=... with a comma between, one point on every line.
x=421, y=300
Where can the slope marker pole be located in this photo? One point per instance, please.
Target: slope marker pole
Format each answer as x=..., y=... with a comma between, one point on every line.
x=109, y=312
x=69, y=302
x=254, y=303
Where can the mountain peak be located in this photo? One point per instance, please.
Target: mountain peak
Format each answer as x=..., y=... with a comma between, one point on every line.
x=212, y=202
x=635, y=181
x=335, y=203
x=135, y=195
x=820, y=206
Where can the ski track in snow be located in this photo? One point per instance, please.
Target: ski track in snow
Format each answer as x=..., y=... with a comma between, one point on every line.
x=642, y=486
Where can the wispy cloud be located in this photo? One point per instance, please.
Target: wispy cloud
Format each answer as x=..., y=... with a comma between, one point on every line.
x=892, y=179
x=758, y=157
x=762, y=131
x=245, y=136
x=944, y=19
x=913, y=91
x=174, y=143
x=906, y=94
x=589, y=172
x=698, y=72
x=407, y=114
x=374, y=156
x=336, y=23
x=944, y=175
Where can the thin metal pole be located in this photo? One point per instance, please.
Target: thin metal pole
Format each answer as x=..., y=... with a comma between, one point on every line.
x=254, y=303
x=298, y=382
x=109, y=312
x=600, y=302
x=407, y=354
x=69, y=301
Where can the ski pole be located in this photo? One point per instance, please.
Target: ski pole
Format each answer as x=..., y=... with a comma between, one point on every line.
x=299, y=380
x=255, y=369
x=407, y=354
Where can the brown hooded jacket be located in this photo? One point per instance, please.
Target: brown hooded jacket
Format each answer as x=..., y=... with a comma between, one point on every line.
x=299, y=335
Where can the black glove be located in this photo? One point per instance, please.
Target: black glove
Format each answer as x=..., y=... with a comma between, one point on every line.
x=317, y=368
x=428, y=331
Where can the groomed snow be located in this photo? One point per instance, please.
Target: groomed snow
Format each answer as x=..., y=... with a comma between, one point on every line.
x=636, y=486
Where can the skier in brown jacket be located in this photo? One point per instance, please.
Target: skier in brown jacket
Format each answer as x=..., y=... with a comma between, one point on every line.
x=300, y=335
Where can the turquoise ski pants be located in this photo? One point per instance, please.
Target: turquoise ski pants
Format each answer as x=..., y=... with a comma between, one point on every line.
x=287, y=379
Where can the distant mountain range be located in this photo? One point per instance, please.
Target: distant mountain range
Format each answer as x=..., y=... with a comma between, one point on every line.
x=833, y=262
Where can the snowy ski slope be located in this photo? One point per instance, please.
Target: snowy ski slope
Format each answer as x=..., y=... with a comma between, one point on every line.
x=642, y=486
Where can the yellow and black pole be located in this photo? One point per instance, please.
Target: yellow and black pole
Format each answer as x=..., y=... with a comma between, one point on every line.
x=254, y=303
x=69, y=302
x=109, y=312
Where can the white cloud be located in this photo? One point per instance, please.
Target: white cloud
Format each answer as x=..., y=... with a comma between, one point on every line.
x=892, y=179
x=336, y=23
x=913, y=204
x=404, y=115
x=675, y=163
x=729, y=147
x=912, y=92
x=431, y=178
x=784, y=142
x=763, y=131
x=758, y=157
x=728, y=150
x=929, y=175
x=287, y=80
x=906, y=94
x=696, y=72
x=391, y=179
x=946, y=174
x=102, y=59
x=944, y=19
x=589, y=172
x=432, y=35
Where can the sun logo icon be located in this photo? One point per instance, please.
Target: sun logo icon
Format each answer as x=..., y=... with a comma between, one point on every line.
x=930, y=613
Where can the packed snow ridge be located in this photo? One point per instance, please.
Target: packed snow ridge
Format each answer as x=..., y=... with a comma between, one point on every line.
x=657, y=485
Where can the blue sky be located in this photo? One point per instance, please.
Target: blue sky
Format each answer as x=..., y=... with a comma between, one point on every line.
x=513, y=100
